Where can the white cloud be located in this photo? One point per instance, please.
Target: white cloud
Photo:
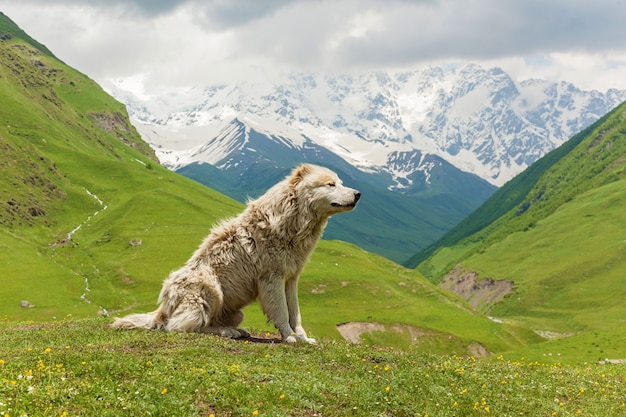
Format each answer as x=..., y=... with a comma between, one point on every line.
x=195, y=42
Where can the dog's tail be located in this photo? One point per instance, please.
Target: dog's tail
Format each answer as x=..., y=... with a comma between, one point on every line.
x=139, y=321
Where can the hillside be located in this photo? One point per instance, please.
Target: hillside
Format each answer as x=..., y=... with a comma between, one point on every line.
x=90, y=225
x=504, y=201
x=77, y=185
x=558, y=236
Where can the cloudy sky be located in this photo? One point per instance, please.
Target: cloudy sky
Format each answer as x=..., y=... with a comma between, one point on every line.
x=165, y=43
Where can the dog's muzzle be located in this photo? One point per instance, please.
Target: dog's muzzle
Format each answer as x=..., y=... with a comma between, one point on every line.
x=357, y=196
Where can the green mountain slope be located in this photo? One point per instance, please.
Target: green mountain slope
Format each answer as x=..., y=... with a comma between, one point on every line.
x=562, y=239
x=71, y=161
x=91, y=224
x=504, y=200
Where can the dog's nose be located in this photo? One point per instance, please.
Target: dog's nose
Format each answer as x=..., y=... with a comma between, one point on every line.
x=357, y=195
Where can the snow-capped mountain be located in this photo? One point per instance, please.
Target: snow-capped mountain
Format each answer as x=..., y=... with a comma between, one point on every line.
x=426, y=148
x=479, y=120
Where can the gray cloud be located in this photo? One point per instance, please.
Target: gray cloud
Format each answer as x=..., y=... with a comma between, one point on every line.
x=223, y=13
x=179, y=41
x=137, y=7
x=488, y=29
x=228, y=13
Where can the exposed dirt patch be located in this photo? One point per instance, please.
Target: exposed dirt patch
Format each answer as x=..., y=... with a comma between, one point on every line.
x=612, y=361
x=477, y=350
x=353, y=331
x=119, y=126
x=547, y=334
x=479, y=293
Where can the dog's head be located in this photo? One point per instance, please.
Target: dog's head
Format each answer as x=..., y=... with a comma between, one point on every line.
x=323, y=190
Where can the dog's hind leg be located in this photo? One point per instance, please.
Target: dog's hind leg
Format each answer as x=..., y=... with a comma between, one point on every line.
x=203, y=314
x=196, y=317
x=225, y=324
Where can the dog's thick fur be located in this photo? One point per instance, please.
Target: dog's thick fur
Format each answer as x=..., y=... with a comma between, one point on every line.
x=258, y=254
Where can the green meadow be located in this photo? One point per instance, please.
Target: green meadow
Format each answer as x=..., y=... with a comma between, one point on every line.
x=72, y=368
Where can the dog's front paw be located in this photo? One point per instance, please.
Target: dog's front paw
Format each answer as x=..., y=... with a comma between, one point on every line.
x=294, y=338
x=305, y=339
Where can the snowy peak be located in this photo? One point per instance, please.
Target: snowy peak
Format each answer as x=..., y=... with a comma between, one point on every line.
x=479, y=120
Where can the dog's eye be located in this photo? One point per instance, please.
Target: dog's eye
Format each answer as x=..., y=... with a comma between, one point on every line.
x=331, y=184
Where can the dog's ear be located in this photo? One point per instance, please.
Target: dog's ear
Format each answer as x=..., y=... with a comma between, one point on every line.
x=298, y=173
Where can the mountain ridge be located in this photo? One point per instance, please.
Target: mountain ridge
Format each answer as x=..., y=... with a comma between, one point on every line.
x=477, y=119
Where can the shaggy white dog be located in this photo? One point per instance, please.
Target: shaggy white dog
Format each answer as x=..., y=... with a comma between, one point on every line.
x=258, y=254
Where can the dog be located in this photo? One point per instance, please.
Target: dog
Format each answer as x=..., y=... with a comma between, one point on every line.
x=256, y=255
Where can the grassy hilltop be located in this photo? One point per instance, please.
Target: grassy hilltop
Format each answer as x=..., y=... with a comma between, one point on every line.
x=83, y=368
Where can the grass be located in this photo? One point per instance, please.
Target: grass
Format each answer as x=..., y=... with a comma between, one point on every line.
x=572, y=263
x=71, y=367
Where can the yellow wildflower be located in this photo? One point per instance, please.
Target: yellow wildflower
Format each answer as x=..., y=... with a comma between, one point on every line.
x=164, y=391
